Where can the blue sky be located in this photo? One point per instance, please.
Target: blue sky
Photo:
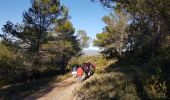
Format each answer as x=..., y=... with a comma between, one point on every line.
x=84, y=14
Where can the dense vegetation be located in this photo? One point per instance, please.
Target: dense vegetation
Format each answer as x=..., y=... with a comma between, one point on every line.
x=41, y=45
x=138, y=35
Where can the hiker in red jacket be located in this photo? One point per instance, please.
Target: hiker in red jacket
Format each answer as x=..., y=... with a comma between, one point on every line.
x=80, y=73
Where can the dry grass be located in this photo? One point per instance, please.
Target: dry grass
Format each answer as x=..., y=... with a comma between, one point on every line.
x=106, y=83
x=119, y=81
x=111, y=83
x=107, y=86
x=61, y=77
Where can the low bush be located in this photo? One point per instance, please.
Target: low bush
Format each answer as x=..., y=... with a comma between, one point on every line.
x=107, y=86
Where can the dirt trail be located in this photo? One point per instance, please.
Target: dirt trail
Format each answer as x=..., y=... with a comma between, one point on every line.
x=59, y=91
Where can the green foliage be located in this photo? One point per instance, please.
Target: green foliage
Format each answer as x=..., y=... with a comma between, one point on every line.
x=5, y=53
x=113, y=39
x=148, y=40
x=99, y=61
x=7, y=63
x=43, y=43
x=83, y=38
x=33, y=32
x=65, y=27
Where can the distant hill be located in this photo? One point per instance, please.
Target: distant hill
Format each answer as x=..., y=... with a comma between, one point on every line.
x=91, y=52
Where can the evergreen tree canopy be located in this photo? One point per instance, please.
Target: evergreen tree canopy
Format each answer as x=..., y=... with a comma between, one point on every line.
x=44, y=41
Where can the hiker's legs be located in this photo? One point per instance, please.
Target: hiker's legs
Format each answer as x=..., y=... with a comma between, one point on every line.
x=79, y=79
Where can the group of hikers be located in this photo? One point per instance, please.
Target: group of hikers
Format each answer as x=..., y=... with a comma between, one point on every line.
x=83, y=71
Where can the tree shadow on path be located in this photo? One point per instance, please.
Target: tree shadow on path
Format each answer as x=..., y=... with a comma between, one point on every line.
x=133, y=74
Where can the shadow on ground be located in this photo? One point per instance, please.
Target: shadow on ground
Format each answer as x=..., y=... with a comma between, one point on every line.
x=49, y=89
x=22, y=90
x=19, y=91
x=131, y=72
x=117, y=81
